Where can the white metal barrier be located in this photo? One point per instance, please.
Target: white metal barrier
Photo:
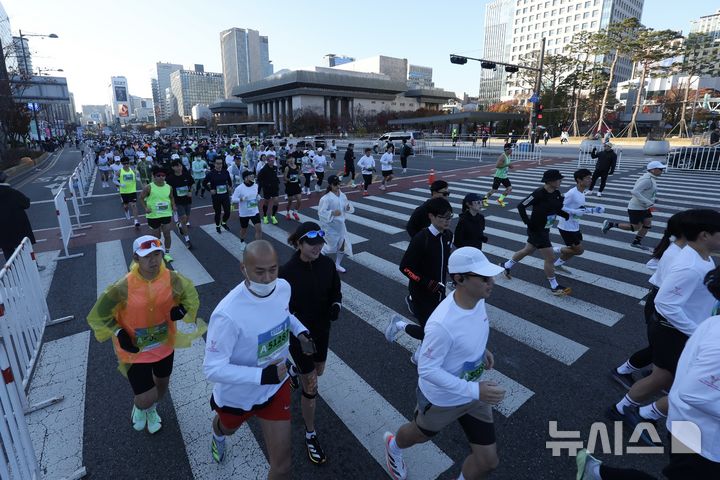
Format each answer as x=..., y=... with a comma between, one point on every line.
x=424, y=148
x=66, y=227
x=74, y=185
x=585, y=159
x=694, y=158
x=469, y=151
x=524, y=152
x=17, y=455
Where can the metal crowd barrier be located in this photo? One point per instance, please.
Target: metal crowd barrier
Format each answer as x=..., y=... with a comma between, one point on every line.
x=469, y=151
x=65, y=223
x=586, y=161
x=424, y=148
x=694, y=158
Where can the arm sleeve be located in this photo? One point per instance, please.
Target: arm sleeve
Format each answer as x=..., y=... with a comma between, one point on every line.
x=433, y=350
x=296, y=326
x=102, y=316
x=184, y=292
x=693, y=387
x=351, y=207
x=522, y=207
x=635, y=192
x=674, y=293
x=411, y=260
x=221, y=338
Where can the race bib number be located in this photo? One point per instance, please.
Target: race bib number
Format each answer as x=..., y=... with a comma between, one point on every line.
x=472, y=371
x=182, y=191
x=251, y=203
x=150, y=338
x=128, y=177
x=550, y=221
x=272, y=341
x=221, y=189
x=293, y=178
x=162, y=206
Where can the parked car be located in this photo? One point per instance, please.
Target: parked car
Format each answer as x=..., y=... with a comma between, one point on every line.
x=396, y=139
x=311, y=142
x=694, y=158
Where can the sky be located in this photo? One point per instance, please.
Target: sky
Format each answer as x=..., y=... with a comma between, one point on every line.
x=103, y=38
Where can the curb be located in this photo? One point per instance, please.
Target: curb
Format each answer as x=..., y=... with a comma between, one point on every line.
x=14, y=172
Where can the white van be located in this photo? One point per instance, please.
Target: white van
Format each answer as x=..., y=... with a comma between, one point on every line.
x=396, y=139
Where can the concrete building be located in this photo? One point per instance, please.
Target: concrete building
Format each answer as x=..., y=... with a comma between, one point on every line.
x=710, y=25
x=163, y=82
x=497, y=46
x=155, y=89
x=228, y=110
x=120, y=99
x=94, y=114
x=657, y=87
x=395, y=68
x=419, y=77
x=50, y=98
x=190, y=87
x=23, y=57
x=201, y=111
x=332, y=60
x=142, y=109
x=245, y=57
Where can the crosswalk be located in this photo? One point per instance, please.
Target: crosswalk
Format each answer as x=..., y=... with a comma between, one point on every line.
x=607, y=281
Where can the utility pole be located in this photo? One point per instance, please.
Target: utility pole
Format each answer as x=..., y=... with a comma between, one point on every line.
x=532, y=131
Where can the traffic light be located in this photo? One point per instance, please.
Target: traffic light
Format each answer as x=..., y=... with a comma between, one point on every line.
x=511, y=69
x=488, y=65
x=457, y=59
x=538, y=111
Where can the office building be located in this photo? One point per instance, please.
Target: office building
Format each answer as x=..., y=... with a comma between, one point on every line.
x=23, y=57
x=155, y=89
x=710, y=25
x=497, y=46
x=142, y=109
x=94, y=114
x=191, y=87
x=163, y=82
x=419, y=77
x=120, y=96
x=395, y=68
x=245, y=57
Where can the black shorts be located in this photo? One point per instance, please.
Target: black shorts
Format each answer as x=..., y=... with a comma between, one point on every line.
x=690, y=465
x=141, y=375
x=128, y=198
x=268, y=194
x=571, y=238
x=637, y=216
x=292, y=189
x=539, y=238
x=667, y=343
x=306, y=363
x=497, y=181
x=156, y=223
x=245, y=220
x=333, y=155
x=387, y=173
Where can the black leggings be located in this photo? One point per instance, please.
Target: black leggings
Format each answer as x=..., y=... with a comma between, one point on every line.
x=643, y=358
x=422, y=311
x=308, y=177
x=403, y=162
x=199, y=186
x=367, y=180
x=221, y=202
x=320, y=176
x=602, y=174
x=350, y=170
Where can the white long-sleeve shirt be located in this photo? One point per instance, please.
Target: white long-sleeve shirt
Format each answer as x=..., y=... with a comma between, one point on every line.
x=695, y=393
x=246, y=334
x=386, y=162
x=452, y=352
x=366, y=164
x=573, y=204
x=683, y=299
x=247, y=199
x=663, y=265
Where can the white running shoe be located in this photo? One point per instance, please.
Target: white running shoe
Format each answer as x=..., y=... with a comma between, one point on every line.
x=394, y=463
x=382, y=187
x=339, y=268
x=599, y=194
x=415, y=356
x=392, y=328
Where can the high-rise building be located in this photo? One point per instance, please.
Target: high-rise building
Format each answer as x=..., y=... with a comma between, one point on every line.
x=190, y=87
x=710, y=25
x=163, y=80
x=120, y=104
x=23, y=57
x=155, y=89
x=245, y=57
x=529, y=21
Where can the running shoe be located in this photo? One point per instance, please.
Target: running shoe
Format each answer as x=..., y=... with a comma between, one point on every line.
x=485, y=202
x=382, y=187
x=168, y=258
x=392, y=329
x=501, y=203
x=340, y=269
x=352, y=184
x=586, y=464
x=314, y=450
x=633, y=419
x=217, y=229
x=188, y=224
x=394, y=463
x=292, y=375
x=137, y=224
x=287, y=216
x=225, y=226
x=599, y=194
x=274, y=220
x=365, y=193
x=640, y=246
x=188, y=245
x=624, y=379
x=613, y=414
x=138, y=418
x=561, y=268
x=217, y=448
x=154, y=422
x=265, y=220
x=506, y=271
x=296, y=216
x=560, y=291
x=606, y=226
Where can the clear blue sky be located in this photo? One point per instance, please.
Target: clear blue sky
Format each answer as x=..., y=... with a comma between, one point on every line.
x=102, y=38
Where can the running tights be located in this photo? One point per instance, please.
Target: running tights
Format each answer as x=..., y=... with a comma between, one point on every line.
x=199, y=186
x=308, y=177
x=367, y=180
x=274, y=209
x=221, y=202
x=350, y=170
x=643, y=358
x=403, y=162
x=320, y=176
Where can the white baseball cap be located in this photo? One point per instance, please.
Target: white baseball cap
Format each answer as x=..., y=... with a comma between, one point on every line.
x=146, y=244
x=472, y=260
x=174, y=156
x=655, y=164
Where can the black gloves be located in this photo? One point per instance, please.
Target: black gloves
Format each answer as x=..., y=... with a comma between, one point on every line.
x=485, y=239
x=178, y=312
x=269, y=375
x=334, y=311
x=126, y=342
x=434, y=286
x=306, y=343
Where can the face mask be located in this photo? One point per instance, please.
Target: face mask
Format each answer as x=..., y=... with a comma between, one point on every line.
x=261, y=289
x=249, y=183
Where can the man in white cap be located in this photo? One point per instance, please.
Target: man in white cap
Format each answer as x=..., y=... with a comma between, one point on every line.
x=452, y=359
x=641, y=205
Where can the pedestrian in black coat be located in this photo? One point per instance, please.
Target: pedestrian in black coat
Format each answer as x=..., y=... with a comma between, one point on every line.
x=14, y=222
x=470, y=230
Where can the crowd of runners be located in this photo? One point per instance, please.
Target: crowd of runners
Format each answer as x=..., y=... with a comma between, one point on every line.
x=269, y=336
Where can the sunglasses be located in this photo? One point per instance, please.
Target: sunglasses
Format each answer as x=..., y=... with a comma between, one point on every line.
x=149, y=244
x=446, y=217
x=313, y=234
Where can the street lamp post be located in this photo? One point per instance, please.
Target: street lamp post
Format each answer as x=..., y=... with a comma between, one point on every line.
x=24, y=54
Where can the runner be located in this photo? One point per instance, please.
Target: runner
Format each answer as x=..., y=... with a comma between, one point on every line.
x=219, y=183
x=641, y=205
x=269, y=184
x=306, y=168
x=103, y=163
x=694, y=400
x=419, y=218
x=332, y=209
x=199, y=170
x=333, y=152
x=350, y=164
x=501, y=178
x=367, y=167
x=425, y=265
x=181, y=182
x=138, y=312
x=116, y=167
x=144, y=169
x=605, y=165
x=245, y=358
x=316, y=302
x=470, y=229
x=386, y=166
x=574, y=206
x=292, y=188
x=159, y=206
x=319, y=164
x=127, y=185
x=452, y=359
x=546, y=203
x=246, y=196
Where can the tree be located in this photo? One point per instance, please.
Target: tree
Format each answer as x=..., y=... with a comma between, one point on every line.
x=582, y=48
x=696, y=61
x=614, y=43
x=647, y=48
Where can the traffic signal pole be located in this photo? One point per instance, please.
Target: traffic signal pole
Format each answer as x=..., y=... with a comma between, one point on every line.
x=532, y=130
